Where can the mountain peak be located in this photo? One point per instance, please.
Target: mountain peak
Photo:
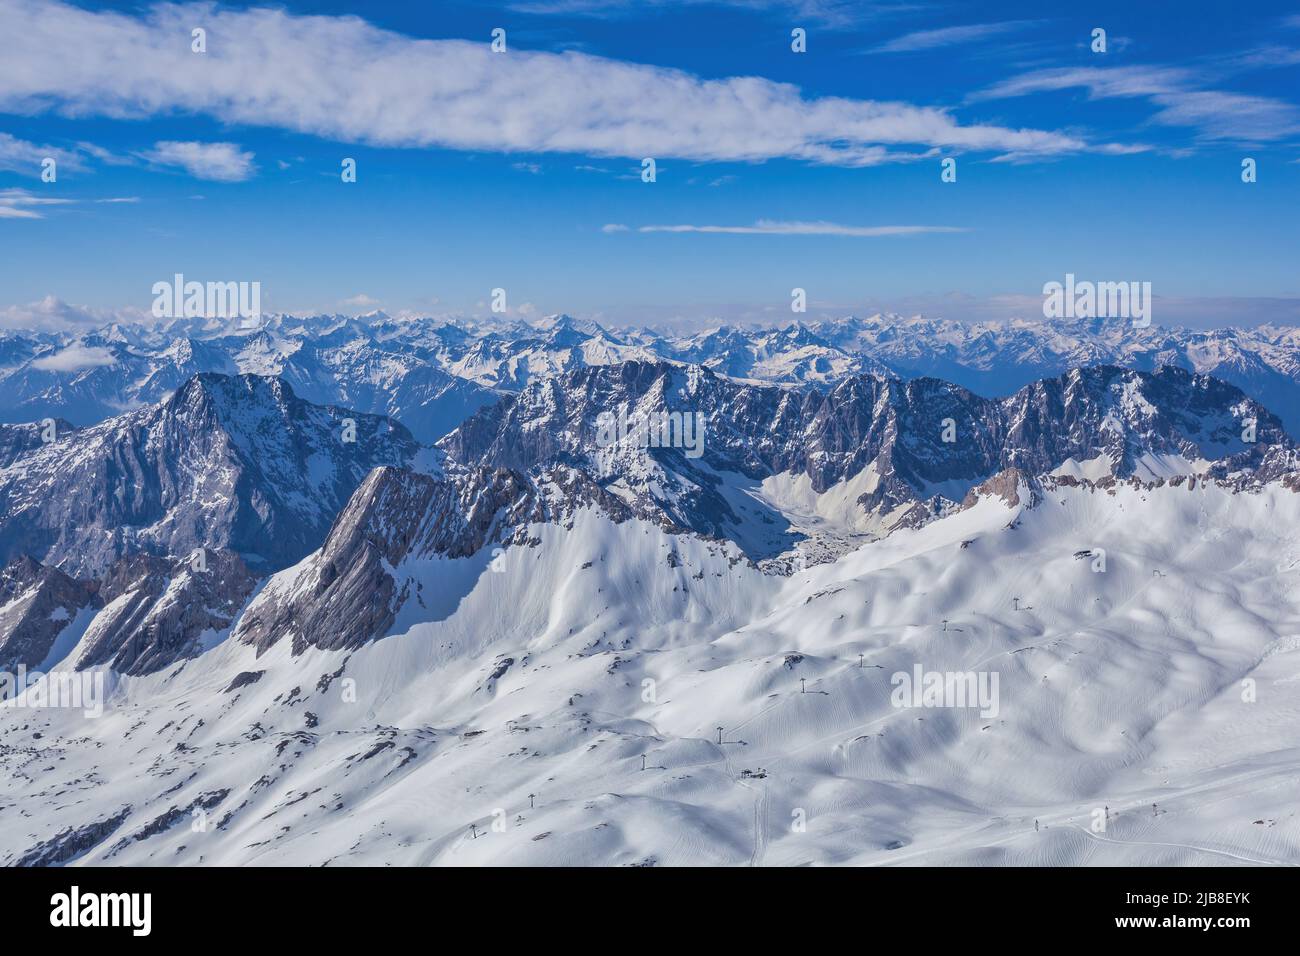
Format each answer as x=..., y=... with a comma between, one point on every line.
x=228, y=461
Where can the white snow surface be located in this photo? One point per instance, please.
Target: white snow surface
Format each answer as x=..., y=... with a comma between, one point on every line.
x=1121, y=693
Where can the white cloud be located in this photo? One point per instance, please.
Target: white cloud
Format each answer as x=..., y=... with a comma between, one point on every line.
x=105, y=156
x=9, y=212
x=1216, y=114
x=1271, y=56
x=1230, y=116
x=20, y=156
x=949, y=36
x=75, y=358
x=53, y=314
x=1101, y=82
x=18, y=203
x=837, y=13
x=613, y=227
x=769, y=227
x=361, y=300
x=343, y=79
x=219, y=162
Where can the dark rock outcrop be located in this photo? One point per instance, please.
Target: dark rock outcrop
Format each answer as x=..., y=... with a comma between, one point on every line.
x=37, y=603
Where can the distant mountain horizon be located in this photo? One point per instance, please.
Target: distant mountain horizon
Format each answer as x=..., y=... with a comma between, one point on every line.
x=431, y=374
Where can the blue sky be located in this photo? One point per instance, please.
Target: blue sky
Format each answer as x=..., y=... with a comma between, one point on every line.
x=775, y=169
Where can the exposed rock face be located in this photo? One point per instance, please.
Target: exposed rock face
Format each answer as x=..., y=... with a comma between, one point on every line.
x=243, y=679
x=156, y=610
x=1012, y=486
x=18, y=440
x=1134, y=419
x=344, y=595
x=238, y=463
x=923, y=438
x=144, y=614
x=752, y=431
x=37, y=603
x=72, y=842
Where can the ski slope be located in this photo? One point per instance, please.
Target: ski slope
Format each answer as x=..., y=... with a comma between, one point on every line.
x=507, y=717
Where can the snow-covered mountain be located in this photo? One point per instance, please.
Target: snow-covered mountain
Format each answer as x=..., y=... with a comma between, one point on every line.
x=867, y=455
x=145, y=613
x=785, y=477
x=610, y=693
x=513, y=356
x=431, y=374
x=87, y=378
x=995, y=358
x=230, y=462
x=550, y=639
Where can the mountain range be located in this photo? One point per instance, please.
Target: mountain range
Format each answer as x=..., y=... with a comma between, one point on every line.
x=241, y=468
x=432, y=373
x=339, y=641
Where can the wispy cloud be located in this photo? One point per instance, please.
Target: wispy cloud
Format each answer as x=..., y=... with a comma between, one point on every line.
x=1270, y=56
x=105, y=156
x=11, y=212
x=21, y=204
x=1100, y=82
x=20, y=156
x=1229, y=116
x=345, y=80
x=837, y=13
x=772, y=227
x=1216, y=114
x=949, y=36
x=219, y=162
